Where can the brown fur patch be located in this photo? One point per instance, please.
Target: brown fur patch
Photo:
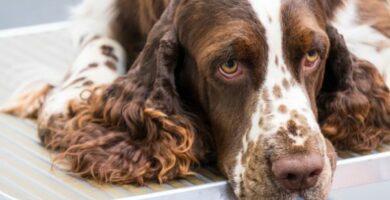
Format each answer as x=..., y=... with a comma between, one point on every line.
x=107, y=49
x=88, y=83
x=90, y=66
x=74, y=82
x=277, y=91
x=283, y=109
x=133, y=23
x=111, y=65
x=299, y=118
x=261, y=122
x=286, y=84
x=292, y=127
x=93, y=65
x=109, y=52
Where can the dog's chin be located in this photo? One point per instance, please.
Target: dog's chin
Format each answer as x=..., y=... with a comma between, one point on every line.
x=309, y=194
x=312, y=195
x=316, y=193
x=319, y=192
x=291, y=196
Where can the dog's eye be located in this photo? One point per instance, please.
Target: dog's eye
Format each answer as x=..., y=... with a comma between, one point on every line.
x=312, y=56
x=230, y=69
x=311, y=59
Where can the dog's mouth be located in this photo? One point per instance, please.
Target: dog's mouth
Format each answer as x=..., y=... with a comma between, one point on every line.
x=318, y=192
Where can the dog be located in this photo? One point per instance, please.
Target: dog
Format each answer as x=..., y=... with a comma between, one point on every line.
x=257, y=86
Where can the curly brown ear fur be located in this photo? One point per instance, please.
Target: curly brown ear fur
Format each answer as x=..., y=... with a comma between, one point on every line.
x=354, y=103
x=136, y=129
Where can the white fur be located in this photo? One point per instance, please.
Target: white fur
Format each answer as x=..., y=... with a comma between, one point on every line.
x=92, y=53
x=362, y=39
x=91, y=18
x=58, y=100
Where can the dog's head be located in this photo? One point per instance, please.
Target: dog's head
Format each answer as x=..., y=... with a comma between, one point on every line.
x=256, y=68
x=253, y=70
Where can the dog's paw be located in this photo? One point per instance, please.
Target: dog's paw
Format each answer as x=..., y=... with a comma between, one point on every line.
x=28, y=101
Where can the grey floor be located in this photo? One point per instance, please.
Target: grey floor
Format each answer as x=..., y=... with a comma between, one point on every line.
x=16, y=13
x=19, y=13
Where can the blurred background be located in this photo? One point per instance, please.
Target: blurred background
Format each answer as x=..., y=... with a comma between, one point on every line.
x=17, y=13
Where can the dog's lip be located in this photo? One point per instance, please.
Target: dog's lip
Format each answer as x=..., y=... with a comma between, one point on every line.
x=297, y=192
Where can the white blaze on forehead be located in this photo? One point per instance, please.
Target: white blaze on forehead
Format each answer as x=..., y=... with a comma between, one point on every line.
x=294, y=98
x=269, y=14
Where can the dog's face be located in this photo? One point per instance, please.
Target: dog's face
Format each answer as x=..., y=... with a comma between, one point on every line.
x=256, y=67
x=257, y=77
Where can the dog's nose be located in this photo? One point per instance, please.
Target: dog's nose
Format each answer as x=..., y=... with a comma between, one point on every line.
x=299, y=171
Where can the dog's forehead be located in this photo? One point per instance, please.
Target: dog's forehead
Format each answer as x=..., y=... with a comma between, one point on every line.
x=289, y=13
x=267, y=11
x=201, y=21
x=277, y=14
x=269, y=15
x=282, y=98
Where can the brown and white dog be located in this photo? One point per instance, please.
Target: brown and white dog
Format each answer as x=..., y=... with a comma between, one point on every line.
x=252, y=84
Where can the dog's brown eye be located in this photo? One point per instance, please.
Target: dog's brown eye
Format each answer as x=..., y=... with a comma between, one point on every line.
x=312, y=56
x=310, y=59
x=230, y=69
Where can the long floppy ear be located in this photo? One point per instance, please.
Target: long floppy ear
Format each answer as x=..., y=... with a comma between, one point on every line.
x=137, y=128
x=354, y=103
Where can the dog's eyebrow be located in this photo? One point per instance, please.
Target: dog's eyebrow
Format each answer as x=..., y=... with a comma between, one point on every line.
x=239, y=47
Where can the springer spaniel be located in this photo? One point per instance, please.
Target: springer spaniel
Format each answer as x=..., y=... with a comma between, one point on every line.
x=254, y=85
